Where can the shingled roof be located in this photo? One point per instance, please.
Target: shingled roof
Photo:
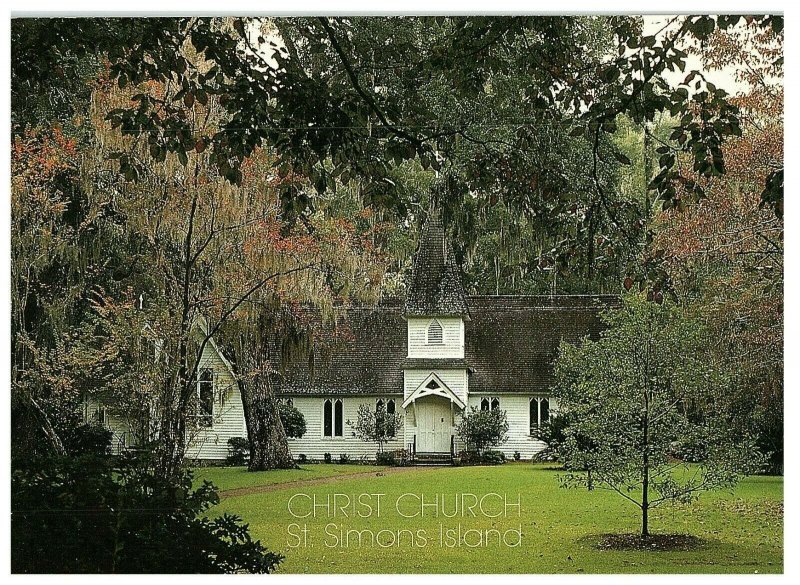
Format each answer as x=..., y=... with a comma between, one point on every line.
x=435, y=287
x=511, y=342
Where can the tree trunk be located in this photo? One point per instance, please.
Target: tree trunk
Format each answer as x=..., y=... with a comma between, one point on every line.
x=269, y=446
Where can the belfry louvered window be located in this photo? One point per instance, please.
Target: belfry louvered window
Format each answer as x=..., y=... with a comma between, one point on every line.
x=435, y=333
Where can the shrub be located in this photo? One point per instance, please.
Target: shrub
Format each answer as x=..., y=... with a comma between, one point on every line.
x=238, y=451
x=385, y=458
x=480, y=429
x=302, y=458
x=344, y=458
x=492, y=457
x=376, y=426
x=327, y=457
x=88, y=439
x=469, y=457
x=517, y=456
x=294, y=423
x=91, y=514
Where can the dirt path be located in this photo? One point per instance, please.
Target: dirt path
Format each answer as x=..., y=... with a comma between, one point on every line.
x=273, y=487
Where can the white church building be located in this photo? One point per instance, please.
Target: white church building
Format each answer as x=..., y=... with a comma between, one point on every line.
x=429, y=358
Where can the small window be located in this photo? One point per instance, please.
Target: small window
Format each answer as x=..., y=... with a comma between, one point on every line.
x=289, y=402
x=495, y=403
x=485, y=404
x=432, y=385
x=205, y=398
x=435, y=333
x=327, y=416
x=338, y=419
x=100, y=416
x=544, y=411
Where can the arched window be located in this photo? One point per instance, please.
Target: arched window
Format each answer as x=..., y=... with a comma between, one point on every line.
x=289, y=402
x=379, y=405
x=205, y=398
x=338, y=419
x=435, y=333
x=390, y=410
x=327, y=419
x=495, y=403
x=485, y=404
x=539, y=413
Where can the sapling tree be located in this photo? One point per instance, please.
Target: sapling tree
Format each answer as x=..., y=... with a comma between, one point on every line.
x=637, y=394
x=481, y=429
x=376, y=426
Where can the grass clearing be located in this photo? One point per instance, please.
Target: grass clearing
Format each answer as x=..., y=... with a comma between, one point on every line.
x=742, y=531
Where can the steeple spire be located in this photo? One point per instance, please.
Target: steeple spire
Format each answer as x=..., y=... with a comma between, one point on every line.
x=435, y=288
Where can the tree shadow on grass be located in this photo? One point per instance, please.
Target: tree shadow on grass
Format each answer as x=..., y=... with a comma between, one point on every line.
x=654, y=542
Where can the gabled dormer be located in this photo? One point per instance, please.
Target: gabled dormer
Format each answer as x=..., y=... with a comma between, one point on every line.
x=435, y=307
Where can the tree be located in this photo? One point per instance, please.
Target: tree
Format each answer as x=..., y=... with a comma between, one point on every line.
x=95, y=514
x=376, y=426
x=724, y=256
x=634, y=396
x=481, y=429
x=355, y=97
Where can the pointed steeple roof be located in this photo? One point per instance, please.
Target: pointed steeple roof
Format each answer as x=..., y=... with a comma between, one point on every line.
x=436, y=287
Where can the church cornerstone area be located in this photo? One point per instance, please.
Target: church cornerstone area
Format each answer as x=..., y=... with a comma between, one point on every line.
x=357, y=519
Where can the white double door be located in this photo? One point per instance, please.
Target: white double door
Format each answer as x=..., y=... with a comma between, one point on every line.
x=434, y=424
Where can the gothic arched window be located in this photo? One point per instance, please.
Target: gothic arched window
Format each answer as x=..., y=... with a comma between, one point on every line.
x=205, y=398
x=338, y=419
x=327, y=419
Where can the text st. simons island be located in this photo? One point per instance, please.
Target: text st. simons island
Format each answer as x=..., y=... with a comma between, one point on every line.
x=427, y=511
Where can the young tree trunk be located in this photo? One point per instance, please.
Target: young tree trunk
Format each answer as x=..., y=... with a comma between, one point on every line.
x=645, y=463
x=269, y=446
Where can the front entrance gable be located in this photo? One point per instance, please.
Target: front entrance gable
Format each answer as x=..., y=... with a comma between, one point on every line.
x=433, y=386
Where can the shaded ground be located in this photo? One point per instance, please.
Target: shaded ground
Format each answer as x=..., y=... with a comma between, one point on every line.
x=654, y=542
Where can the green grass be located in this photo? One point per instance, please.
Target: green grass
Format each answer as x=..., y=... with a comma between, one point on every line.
x=743, y=529
x=228, y=478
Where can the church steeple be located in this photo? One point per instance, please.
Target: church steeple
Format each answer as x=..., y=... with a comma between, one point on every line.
x=435, y=288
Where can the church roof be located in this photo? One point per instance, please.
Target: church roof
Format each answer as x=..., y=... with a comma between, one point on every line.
x=435, y=287
x=511, y=342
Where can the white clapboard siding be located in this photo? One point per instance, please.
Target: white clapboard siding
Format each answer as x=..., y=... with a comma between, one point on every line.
x=517, y=414
x=122, y=429
x=453, y=338
x=455, y=379
x=228, y=420
x=314, y=445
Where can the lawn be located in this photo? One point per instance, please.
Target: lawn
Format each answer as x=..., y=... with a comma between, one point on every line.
x=228, y=478
x=743, y=529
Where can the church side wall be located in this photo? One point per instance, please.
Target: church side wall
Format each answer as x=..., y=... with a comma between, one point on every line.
x=228, y=421
x=517, y=414
x=453, y=337
x=314, y=445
